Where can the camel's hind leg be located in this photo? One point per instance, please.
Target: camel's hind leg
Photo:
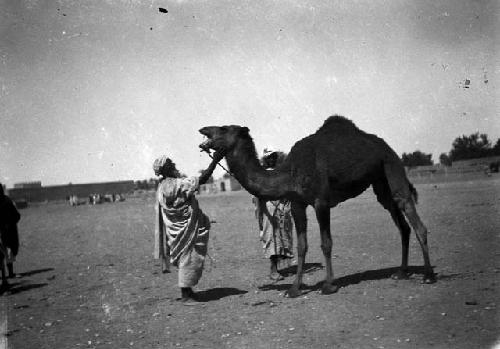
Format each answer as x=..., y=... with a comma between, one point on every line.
x=323, y=216
x=383, y=194
x=300, y=219
x=403, y=193
x=408, y=207
x=404, y=231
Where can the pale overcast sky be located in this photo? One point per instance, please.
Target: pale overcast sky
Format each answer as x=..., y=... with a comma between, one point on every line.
x=95, y=90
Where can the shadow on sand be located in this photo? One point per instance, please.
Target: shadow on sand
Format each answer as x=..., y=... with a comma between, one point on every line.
x=18, y=287
x=15, y=286
x=308, y=268
x=218, y=293
x=352, y=279
x=33, y=272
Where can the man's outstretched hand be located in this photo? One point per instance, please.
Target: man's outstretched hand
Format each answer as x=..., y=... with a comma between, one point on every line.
x=205, y=175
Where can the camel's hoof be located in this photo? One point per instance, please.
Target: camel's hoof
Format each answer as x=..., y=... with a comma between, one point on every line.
x=400, y=275
x=329, y=288
x=165, y=270
x=429, y=278
x=293, y=293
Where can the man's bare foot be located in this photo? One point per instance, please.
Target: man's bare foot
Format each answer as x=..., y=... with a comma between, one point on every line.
x=165, y=267
x=10, y=268
x=275, y=276
x=188, y=297
x=190, y=301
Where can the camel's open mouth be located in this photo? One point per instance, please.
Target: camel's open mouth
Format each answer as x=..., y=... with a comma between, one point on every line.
x=206, y=144
x=205, y=131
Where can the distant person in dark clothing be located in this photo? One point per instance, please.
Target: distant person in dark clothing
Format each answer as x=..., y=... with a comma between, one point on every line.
x=9, y=237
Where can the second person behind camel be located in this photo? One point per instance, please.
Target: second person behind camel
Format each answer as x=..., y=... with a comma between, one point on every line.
x=275, y=223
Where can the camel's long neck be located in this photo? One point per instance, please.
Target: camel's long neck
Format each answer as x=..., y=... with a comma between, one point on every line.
x=245, y=167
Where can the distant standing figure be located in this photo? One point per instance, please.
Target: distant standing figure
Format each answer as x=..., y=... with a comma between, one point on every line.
x=9, y=236
x=275, y=224
x=181, y=229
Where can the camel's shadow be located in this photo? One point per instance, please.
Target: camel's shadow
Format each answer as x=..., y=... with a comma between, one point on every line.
x=352, y=279
x=218, y=293
x=308, y=268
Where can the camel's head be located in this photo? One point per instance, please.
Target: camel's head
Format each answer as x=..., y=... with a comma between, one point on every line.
x=222, y=138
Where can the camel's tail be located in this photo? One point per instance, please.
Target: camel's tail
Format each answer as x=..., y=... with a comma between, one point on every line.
x=414, y=193
x=398, y=181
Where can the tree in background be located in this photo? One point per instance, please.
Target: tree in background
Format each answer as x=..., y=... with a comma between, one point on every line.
x=496, y=148
x=153, y=183
x=444, y=159
x=417, y=158
x=471, y=147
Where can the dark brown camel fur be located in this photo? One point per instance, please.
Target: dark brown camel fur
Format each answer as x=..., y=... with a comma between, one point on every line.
x=336, y=163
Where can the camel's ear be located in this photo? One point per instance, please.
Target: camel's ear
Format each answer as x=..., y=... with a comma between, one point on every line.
x=244, y=130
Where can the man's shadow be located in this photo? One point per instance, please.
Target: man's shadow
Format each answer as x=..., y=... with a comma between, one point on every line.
x=33, y=272
x=218, y=293
x=352, y=279
x=18, y=285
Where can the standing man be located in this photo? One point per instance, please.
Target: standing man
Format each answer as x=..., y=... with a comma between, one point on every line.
x=275, y=223
x=9, y=236
x=181, y=229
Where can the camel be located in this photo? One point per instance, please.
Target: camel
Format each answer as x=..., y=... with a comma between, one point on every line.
x=336, y=163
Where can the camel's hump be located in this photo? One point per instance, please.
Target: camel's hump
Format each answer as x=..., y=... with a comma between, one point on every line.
x=341, y=131
x=338, y=122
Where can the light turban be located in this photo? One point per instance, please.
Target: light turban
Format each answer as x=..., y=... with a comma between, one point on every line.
x=159, y=163
x=268, y=151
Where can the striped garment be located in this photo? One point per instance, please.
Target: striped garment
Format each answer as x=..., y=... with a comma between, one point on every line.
x=277, y=235
x=183, y=225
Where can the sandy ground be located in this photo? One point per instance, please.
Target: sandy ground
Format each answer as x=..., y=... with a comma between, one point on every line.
x=88, y=279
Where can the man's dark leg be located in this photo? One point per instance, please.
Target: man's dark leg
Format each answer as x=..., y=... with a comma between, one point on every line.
x=187, y=295
x=10, y=267
x=274, y=275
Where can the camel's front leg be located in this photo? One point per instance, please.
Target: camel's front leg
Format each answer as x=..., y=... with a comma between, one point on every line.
x=323, y=216
x=300, y=219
